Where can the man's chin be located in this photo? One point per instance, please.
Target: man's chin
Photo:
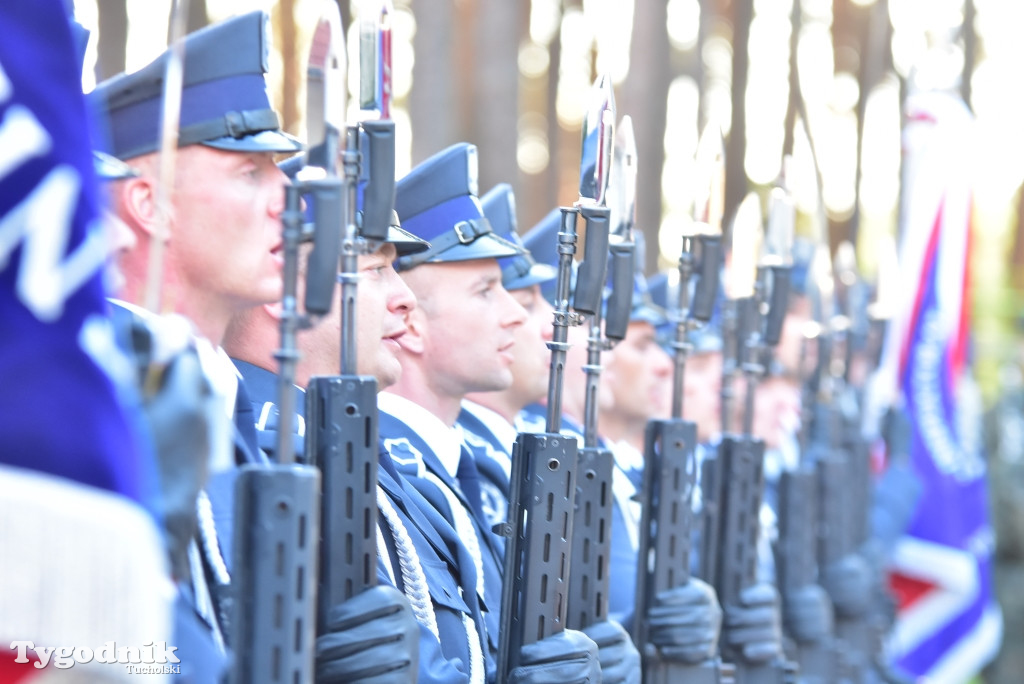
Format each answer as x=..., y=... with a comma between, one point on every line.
x=387, y=373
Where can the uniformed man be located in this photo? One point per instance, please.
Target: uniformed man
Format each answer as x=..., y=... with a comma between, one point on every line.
x=489, y=419
x=460, y=338
x=637, y=371
x=422, y=552
x=227, y=199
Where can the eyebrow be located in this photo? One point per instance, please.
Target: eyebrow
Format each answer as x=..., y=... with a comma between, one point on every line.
x=487, y=280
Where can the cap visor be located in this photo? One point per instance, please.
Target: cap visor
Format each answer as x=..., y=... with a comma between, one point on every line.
x=647, y=313
x=488, y=246
x=405, y=242
x=264, y=141
x=538, y=274
x=111, y=168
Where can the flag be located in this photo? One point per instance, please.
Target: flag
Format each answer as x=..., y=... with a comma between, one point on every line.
x=947, y=624
x=81, y=558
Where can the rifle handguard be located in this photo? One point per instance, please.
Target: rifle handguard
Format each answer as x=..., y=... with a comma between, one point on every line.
x=379, y=194
x=590, y=276
x=777, y=305
x=706, y=291
x=322, y=267
x=342, y=441
x=274, y=573
x=623, y=265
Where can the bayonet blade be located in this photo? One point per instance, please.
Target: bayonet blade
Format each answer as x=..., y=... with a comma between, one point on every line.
x=596, y=150
x=622, y=186
x=325, y=90
x=710, y=162
x=747, y=235
x=779, y=240
x=375, y=58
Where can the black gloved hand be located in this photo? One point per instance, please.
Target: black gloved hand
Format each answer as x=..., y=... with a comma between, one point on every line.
x=752, y=627
x=807, y=613
x=684, y=622
x=372, y=637
x=178, y=415
x=569, y=657
x=848, y=583
x=620, y=661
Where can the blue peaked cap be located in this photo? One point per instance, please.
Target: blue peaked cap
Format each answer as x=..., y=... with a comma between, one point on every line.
x=437, y=201
x=644, y=308
x=664, y=293
x=803, y=255
x=542, y=243
x=520, y=271
x=224, y=101
x=404, y=241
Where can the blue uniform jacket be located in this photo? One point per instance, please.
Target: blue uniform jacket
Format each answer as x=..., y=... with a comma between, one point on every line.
x=494, y=485
x=414, y=458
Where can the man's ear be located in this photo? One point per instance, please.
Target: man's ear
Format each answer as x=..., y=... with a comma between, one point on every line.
x=414, y=339
x=273, y=309
x=138, y=203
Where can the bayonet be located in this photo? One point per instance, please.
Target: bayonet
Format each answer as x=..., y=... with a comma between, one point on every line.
x=595, y=168
x=542, y=492
x=276, y=553
x=670, y=470
x=739, y=474
x=170, y=116
x=342, y=409
x=375, y=58
x=589, y=583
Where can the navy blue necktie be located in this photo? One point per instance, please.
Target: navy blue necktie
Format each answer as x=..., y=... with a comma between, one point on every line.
x=469, y=481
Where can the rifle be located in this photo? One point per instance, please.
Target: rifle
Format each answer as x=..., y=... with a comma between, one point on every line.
x=666, y=521
x=341, y=410
x=589, y=581
x=842, y=460
x=539, y=529
x=741, y=456
x=798, y=513
x=276, y=558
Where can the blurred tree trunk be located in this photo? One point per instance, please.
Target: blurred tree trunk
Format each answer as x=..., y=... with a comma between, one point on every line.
x=292, y=65
x=875, y=62
x=970, y=48
x=537, y=193
x=494, y=106
x=736, y=146
x=197, y=16
x=644, y=96
x=346, y=14
x=434, y=99
x=113, y=37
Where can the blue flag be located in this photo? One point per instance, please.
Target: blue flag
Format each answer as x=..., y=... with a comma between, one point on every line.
x=61, y=414
x=83, y=561
x=947, y=625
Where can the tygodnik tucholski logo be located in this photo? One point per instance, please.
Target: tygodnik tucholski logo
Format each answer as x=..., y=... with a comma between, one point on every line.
x=149, y=658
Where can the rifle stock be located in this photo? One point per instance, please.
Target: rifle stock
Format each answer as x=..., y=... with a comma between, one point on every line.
x=534, y=596
x=341, y=439
x=591, y=538
x=742, y=468
x=274, y=578
x=796, y=564
x=663, y=558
